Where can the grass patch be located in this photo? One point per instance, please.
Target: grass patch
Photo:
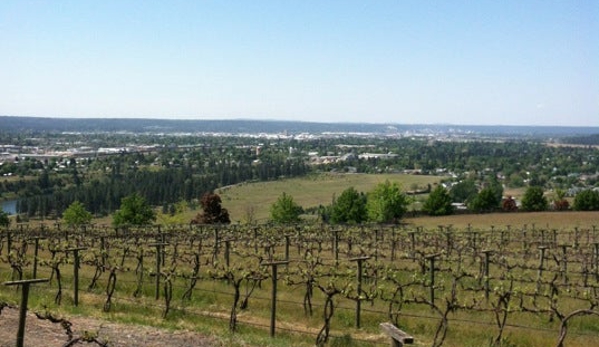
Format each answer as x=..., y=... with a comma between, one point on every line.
x=310, y=191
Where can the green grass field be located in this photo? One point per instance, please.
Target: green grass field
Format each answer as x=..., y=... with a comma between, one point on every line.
x=308, y=192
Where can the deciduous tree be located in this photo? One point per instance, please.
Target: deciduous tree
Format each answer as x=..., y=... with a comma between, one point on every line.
x=386, y=203
x=349, y=207
x=76, y=215
x=463, y=191
x=485, y=201
x=534, y=200
x=509, y=204
x=134, y=211
x=438, y=202
x=559, y=202
x=212, y=211
x=587, y=200
x=4, y=220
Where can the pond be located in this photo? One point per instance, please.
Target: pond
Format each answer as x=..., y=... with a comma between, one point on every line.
x=9, y=206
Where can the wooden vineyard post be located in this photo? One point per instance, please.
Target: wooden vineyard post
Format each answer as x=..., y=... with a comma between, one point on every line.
x=35, y=255
x=487, y=254
x=23, y=307
x=158, y=263
x=103, y=251
x=8, y=241
x=163, y=249
x=541, y=260
x=216, y=241
x=413, y=245
x=474, y=235
x=596, y=260
x=431, y=258
x=376, y=245
x=359, y=288
x=393, y=243
x=273, y=307
x=543, y=236
x=336, y=244
x=287, y=247
x=564, y=270
x=75, y=273
x=227, y=252
x=448, y=241
x=256, y=240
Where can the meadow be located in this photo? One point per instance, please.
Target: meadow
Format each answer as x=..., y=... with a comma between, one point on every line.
x=309, y=192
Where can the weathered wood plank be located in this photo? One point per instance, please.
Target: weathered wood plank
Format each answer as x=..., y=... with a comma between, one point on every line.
x=398, y=337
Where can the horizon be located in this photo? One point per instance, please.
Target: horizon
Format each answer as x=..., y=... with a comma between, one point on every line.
x=519, y=64
x=303, y=121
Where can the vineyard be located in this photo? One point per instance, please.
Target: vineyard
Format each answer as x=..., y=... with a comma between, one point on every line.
x=323, y=285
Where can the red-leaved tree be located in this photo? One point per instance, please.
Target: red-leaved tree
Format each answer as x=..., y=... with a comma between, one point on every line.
x=212, y=211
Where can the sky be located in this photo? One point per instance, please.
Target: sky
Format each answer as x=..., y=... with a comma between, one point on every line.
x=511, y=62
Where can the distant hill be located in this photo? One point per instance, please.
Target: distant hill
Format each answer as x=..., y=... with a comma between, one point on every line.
x=582, y=140
x=239, y=126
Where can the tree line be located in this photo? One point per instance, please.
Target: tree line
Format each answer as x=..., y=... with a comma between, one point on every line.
x=165, y=184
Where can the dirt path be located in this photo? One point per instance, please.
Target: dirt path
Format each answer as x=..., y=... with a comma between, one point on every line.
x=44, y=333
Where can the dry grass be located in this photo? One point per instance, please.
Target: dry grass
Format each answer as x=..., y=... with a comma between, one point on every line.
x=548, y=220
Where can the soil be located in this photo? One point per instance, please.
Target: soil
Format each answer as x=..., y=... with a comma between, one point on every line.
x=44, y=333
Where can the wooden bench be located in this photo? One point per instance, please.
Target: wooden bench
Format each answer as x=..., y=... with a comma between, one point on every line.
x=398, y=337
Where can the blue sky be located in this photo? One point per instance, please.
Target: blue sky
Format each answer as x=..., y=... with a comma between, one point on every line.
x=416, y=62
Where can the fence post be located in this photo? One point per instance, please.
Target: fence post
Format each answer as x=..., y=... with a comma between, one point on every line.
x=23, y=307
